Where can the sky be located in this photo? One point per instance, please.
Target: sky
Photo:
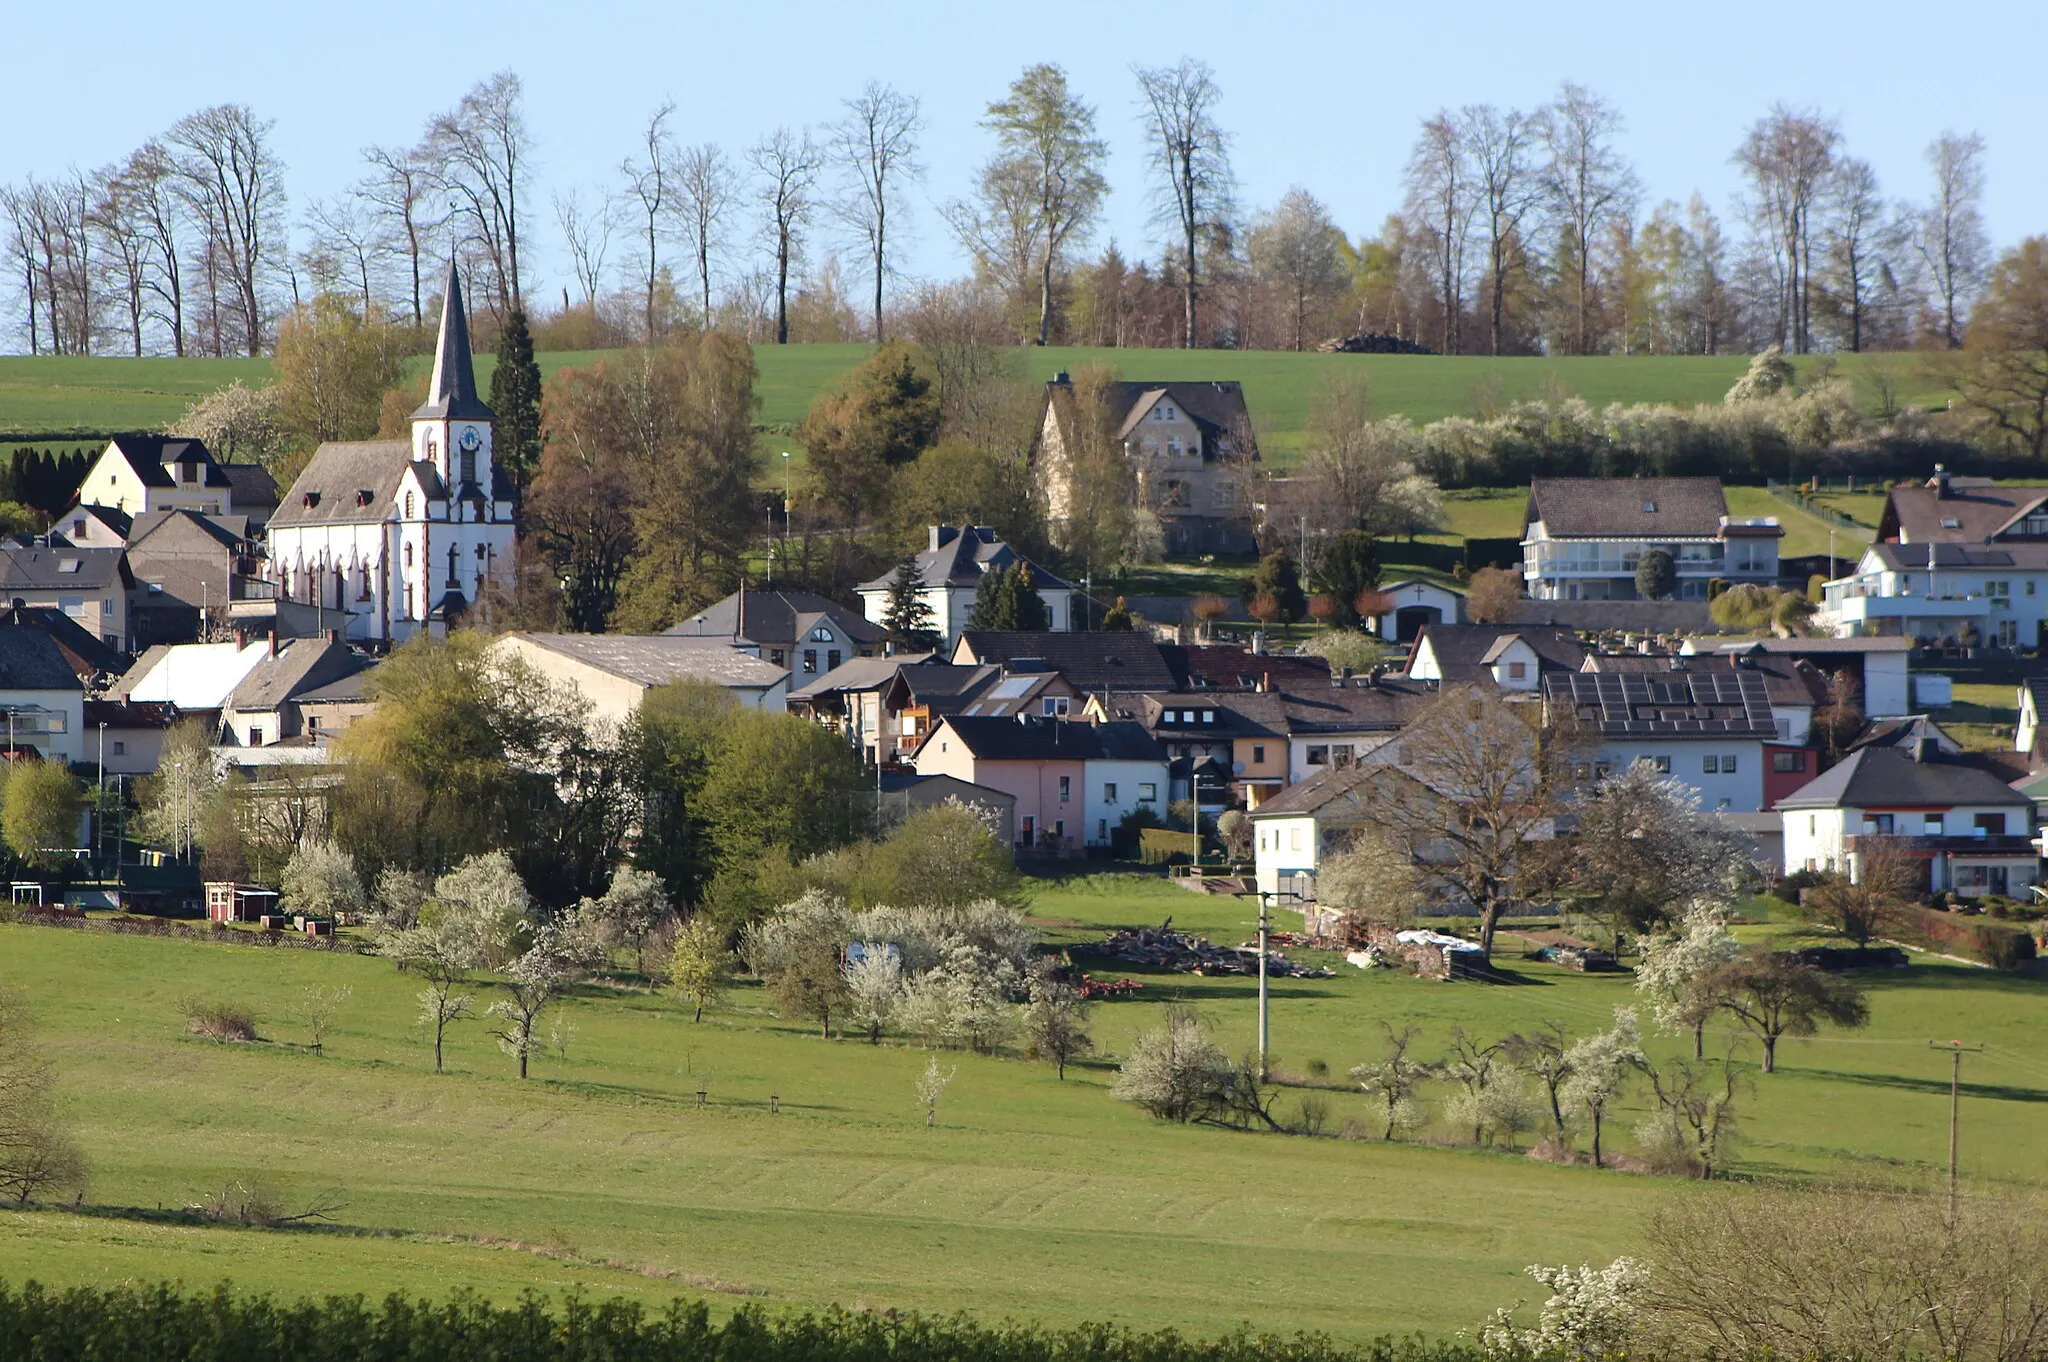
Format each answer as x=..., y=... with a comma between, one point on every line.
x=1327, y=95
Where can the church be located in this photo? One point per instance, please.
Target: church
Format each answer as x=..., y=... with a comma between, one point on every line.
x=397, y=536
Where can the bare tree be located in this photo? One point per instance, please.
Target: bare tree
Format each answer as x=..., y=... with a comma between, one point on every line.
x=1500, y=149
x=1587, y=184
x=401, y=187
x=234, y=182
x=787, y=166
x=1044, y=187
x=1190, y=157
x=1858, y=241
x=1787, y=158
x=704, y=195
x=588, y=233
x=1297, y=249
x=651, y=182
x=124, y=257
x=1440, y=205
x=149, y=193
x=479, y=152
x=876, y=148
x=346, y=247
x=1951, y=236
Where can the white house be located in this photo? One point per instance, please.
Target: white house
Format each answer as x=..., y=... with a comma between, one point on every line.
x=396, y=536
x=138, y=473
x=1295, y=831
x=1417, y=603
x=1707, y=726
x=1969, y=827
x=951, y=567
x=1513, y=657
x=42, y=701
x=1879, y=667
x=615, y=671
x=1072, y=782
x=1583, y=538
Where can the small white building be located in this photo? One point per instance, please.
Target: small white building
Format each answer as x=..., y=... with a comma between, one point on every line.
x=1513, y=657
x=1970, y=828
x=951, y=568
x=1417, y=603
x=615, y=671
x=398, y=536
x=42, y=701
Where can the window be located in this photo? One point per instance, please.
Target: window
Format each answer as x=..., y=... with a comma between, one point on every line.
x=1663, y=765
x=1318, y=755
x=1991, y=824
x=778, y=657
x=1711, y=765
x=255, y=736
x=1786, y=762
x=2008, y=634
x=106, y=607
x=1109, y=792
x=1340, y=755
x=821, y=635
x=408, y=495
x=810, y=661
x=1728, y=764
x=408, y=555
x=1066, y=788
x=120, y=748
x=1054, y=706
x=1878, y=823
x=1649, y=507
x=78, y=528
x=468, y=464
x=1999, y=592
x=1187, y=716
x=1294, y=839
x=1931, y=825
x=1208, y=715
x=1518, y=671
x=1258, y=753
x=1102, y=829
x=832, y=660
x=1148, y=793
x=1165, y=716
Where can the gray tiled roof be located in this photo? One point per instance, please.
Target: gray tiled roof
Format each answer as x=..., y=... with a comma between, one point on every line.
x=338, y=471
x=1886, y=777
x=301, y=664
x=1628, y=508
x=969, y=553
x=1978, y=508
x=1091, y=661
x=1053, y=740
x=58, y=569
x=1464, y=652
x=657, y=659
x=148, y=455
x=777, y=618
x=31, y=660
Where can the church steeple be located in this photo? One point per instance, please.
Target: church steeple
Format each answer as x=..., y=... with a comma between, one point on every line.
x=452, y=396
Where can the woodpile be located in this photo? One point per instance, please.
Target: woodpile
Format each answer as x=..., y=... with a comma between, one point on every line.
x=1373, y=343
x=1162, y=947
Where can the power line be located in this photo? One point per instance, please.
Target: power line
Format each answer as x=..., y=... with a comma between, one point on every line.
x=1956, y=1050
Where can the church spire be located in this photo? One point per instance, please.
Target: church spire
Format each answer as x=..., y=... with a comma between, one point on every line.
x=452, y=394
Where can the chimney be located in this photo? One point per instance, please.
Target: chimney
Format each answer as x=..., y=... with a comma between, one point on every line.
x=1923, y=748
x=1258, y=642
x=1062, y=380
x=1939, y=482
x=273, y=643
x=334, y=635
x=1265, y=682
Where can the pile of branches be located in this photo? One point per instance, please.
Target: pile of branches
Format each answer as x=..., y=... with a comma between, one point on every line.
x=1373, y=343
x=1163, y=948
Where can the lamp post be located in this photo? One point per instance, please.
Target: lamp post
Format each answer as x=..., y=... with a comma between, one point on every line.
x=785, y=503
x=99, y=808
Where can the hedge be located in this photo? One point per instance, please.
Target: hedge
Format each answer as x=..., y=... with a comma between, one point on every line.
x=1995, y=943
x=163, y=1324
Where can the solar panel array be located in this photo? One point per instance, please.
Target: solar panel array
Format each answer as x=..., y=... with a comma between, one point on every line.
x=1672, y=703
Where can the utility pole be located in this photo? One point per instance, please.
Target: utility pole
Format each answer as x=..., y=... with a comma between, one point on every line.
x=1264, y=1034
x=1955, y=1050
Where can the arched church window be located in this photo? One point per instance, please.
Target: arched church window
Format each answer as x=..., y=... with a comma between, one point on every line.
x=408, y=555
x=408, y=506
x=451, y=567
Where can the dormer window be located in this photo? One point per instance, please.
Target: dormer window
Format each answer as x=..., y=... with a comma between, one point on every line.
x=1949, y=522
x=1649, y=507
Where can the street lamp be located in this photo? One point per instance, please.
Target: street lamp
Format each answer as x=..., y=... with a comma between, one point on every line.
x=785, y=503
x=1265, y=931
x=99, y=810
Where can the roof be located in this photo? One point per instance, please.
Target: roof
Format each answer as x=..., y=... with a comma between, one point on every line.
x=1693, y=703
x=1466, y=652
x=299, y=664
x=228, y=531
x=451, y=393
x=1902, y=732
x=860, y=673
x=1322, y=789
x=1232, y=666
x=129, y=714
x=250, y=484
x=353, y=688
x=894, y=782
x=1034, y=739
x=191, y=676
x=1886, y=777
x=1091, y=661
x=1788, y=681
x=113, y=517
x=1627, y=508
x=347, y=482
x=86, y=652
x=1813, y=645
x=779, y=618
x=1217, y=405
x=31, y=660
x=961, y=558
x=1975, y=511
x=1360, y=706
x=62, y=569
x=2029, y=554
x=148, y=455
x=657, y=659
x=943, y=685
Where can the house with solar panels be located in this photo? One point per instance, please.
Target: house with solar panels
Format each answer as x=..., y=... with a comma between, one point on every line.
x=1706, y=726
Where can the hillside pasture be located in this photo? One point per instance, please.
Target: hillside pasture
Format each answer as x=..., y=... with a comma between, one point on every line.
x=1032, y=1198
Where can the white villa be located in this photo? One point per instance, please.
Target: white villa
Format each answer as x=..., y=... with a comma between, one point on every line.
x=396, y=536
x=1583, y=538
x=951, y=568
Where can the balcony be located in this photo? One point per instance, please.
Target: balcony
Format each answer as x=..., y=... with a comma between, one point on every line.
x=1963, y=845
x=1858, y=604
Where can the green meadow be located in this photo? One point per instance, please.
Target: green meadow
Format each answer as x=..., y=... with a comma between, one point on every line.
x=1032, y=1198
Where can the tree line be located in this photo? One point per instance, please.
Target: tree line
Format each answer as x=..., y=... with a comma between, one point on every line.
x=1519, y=231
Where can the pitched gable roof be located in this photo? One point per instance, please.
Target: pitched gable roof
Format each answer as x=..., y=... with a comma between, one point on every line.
x=1974, y=511
x=347, y=482
x=85, y=652
x=299, y=665
x=779, y=618
x=657, y=659
x=31, y=660
x=962, y=557
x=1232, y=666
x=1006, y=739
x=59, y=569
x=1091, y=661
x=1627, y=508
x=1885, y=777
x=1696, y=703
x=149, y=455
x=1466, y=652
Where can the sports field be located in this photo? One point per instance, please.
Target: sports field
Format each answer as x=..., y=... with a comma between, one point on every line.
x=1032, y=1197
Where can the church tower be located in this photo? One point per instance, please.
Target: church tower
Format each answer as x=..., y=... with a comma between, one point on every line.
x=452, y=428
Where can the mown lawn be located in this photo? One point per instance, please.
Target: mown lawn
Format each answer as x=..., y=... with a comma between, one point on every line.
x=1033, y=1198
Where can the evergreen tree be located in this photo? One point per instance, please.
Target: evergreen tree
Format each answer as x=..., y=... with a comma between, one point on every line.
x=515, y=397
x=994, y=605
x=1118, y=619
x=908, y=620
x=1030, y=611
x=1350, y=567
x=1277, y=577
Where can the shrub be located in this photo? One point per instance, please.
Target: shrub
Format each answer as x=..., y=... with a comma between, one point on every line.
x=1788, y=888
x=2002, y=947
x=218, y=1020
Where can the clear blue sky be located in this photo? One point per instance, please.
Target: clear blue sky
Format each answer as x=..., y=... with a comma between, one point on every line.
x=1323, y=95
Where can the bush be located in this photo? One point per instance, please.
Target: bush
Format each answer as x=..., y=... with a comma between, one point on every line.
x=2002, y=947
x=1995, y=943
x=217, y=1020
x=1788, y=888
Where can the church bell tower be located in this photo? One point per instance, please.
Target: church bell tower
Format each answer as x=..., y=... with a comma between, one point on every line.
x=452, y=428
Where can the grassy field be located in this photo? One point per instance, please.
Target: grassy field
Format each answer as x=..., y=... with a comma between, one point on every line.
x=1033, y=1198
x=46, y=396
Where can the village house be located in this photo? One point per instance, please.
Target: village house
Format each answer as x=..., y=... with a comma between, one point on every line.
x=1583, y=538
x=1958, y=561
x=139, y=473
x=951, y=567
x=265, y=707
x=1706, y=726
x=1966, y=826
x=188, y=568
x=902, y=793
x=1190, y=446
x=94, y=587
x=1513, y=657
x=1415, y=604
x=392, y=537
x=614, y=672
x=1878, y=669
x=1297, y=830
x=1073, y=782
x=42, y=699
x=799, y=631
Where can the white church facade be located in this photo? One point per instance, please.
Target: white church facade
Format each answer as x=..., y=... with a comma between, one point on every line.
x=399, y=536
